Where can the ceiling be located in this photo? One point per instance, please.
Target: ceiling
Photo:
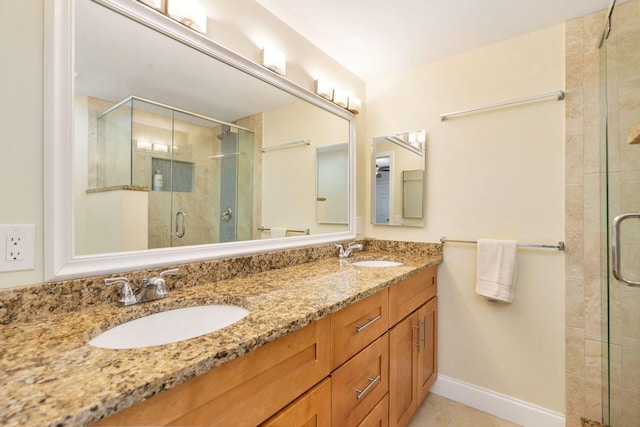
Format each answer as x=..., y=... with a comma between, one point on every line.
x=376, y=37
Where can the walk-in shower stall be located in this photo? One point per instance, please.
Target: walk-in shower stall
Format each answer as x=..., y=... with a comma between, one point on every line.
x=195, y=173
x=620, y=149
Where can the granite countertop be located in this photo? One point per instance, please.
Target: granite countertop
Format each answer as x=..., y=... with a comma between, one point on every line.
x=51, y=376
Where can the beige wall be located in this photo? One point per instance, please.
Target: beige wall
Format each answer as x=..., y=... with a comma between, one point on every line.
x=493, y=174
x=289, y=174
x=21, y=121
x=21, y=108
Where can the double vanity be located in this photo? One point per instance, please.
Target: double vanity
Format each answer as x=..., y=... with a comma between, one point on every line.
x=324, y=339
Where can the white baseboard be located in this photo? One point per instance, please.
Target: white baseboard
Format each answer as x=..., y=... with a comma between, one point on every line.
x=500, y=405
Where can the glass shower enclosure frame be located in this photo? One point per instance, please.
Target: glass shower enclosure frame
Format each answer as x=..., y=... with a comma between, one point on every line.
x=620, y=154
x=197, y=171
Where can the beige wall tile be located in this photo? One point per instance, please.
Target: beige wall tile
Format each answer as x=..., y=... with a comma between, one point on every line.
x=574, y=338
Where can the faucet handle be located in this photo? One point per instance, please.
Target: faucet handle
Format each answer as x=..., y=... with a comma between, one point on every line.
x=128, y=297
x=170, y=272
x=161, y=290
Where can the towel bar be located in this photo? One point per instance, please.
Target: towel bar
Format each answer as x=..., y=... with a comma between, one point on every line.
x=305, y=231
x=559, y=246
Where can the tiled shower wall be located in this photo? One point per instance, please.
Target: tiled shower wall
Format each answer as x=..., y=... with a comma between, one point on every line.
x=586, y=320
x=583, y=177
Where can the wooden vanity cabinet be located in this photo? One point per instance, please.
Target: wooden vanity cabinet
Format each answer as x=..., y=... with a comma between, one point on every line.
x=348, y=369
x=244, y=392
x=412, y=345
x=358, y=325
x=360, y=359
x=312, y=409
x=359, y=384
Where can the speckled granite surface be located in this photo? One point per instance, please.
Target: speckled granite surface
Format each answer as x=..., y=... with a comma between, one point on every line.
x=51, y=376
x=118, y=188
x=591, y=423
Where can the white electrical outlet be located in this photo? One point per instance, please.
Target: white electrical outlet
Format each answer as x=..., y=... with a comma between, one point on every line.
x=15, y=247
x=19, y=247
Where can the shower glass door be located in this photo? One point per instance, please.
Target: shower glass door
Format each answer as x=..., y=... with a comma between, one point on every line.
x=621, y=87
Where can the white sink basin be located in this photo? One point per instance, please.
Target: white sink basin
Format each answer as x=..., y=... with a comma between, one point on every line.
x=376, y=263
x=169, y=326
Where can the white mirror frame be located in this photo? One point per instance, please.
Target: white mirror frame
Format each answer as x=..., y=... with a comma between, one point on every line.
x=60, y=263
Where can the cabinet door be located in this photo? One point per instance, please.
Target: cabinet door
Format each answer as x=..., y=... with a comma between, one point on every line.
x=243, y=392
x=403, y=375
x=312, y=409
x=428, y=354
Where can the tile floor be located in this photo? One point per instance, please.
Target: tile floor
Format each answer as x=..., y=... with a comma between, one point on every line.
x=437, y=411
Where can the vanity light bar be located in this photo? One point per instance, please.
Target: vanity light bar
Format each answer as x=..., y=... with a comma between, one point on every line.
x=287, y=145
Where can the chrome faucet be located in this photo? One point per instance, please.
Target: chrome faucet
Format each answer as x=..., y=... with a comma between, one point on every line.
x=346, y=253
x=151, y=289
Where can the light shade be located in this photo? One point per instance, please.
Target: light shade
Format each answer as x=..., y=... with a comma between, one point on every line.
x=340, y=98
x=142, y=144
x=323, y=88
x=274, y=60
x=156, y=4
x=354, y=104
x=190, y=12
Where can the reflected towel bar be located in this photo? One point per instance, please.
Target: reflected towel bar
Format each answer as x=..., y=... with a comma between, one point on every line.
x=305, y=231
x=559, y=95
x=559, y=246
x=286, y=145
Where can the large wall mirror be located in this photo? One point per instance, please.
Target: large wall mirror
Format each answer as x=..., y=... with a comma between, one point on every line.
x=163, y=147
x=397, y=179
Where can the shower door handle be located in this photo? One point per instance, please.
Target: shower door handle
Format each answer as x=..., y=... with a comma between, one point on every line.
x=179, y=232
x=615, y=249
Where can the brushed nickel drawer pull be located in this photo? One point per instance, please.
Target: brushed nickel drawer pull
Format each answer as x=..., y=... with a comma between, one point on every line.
x=372, y=381
x=424, y=324
x=371, y=321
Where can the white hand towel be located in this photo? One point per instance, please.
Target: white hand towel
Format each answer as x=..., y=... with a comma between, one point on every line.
x=278, y=232
x=496, y=269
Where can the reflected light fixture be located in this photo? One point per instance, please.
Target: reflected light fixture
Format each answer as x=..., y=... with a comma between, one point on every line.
x=274, y=60
x=142, y=144
x=161, y=148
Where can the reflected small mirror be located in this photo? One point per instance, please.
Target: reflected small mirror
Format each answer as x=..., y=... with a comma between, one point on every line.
x=397, y=179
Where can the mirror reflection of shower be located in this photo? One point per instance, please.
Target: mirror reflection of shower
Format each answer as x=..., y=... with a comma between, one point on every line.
x=153, y=166
x=228, y=138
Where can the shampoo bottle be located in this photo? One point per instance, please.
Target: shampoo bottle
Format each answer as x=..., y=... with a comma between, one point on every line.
x=157, y=181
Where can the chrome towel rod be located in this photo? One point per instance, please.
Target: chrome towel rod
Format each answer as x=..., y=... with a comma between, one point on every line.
x=305, y=231
x=286, y=145
x=559, y=246
x=558, y=94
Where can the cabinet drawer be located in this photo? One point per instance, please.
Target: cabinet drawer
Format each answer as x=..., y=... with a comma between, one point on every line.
x=355, y=327
x=379, y=416
x=245, y=391
x=358, y=385
x=411, y=293
x=312, y=409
